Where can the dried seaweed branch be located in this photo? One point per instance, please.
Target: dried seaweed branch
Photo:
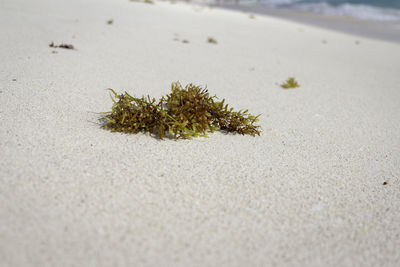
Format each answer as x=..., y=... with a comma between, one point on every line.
x=65, y=46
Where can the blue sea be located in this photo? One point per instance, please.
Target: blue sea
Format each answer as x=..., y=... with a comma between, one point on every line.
x=377, y=10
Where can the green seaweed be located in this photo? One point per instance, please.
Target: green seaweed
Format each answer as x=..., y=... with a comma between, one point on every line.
x=290, y=83
x=186, y=112
x=211, y=40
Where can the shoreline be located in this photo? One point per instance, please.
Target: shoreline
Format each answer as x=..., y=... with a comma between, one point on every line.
x=378, y=30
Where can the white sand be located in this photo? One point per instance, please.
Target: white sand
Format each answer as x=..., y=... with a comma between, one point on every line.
x=308, y=192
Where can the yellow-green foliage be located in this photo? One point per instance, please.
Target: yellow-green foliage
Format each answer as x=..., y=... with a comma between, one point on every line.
x=290, y=83
x=184, y=113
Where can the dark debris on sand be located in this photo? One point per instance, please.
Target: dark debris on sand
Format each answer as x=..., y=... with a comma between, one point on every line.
x=65, y=46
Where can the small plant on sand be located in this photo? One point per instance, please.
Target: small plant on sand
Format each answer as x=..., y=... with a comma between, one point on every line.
x=290, y=83
x=211, y=40
x=184, y=113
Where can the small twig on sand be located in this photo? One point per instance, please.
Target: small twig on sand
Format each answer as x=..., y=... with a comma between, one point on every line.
x=65, y=46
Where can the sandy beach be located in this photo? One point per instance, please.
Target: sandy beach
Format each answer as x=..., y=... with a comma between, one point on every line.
x=319, y=187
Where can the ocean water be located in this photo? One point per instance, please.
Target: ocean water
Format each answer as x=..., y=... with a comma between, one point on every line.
x=377, y=10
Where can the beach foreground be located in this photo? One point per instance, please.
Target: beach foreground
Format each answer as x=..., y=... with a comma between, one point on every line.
x=319, y=187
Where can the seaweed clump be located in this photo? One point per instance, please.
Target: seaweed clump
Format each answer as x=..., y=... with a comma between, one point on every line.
x=186, y=112
x=211, y=40
x=290, y=83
